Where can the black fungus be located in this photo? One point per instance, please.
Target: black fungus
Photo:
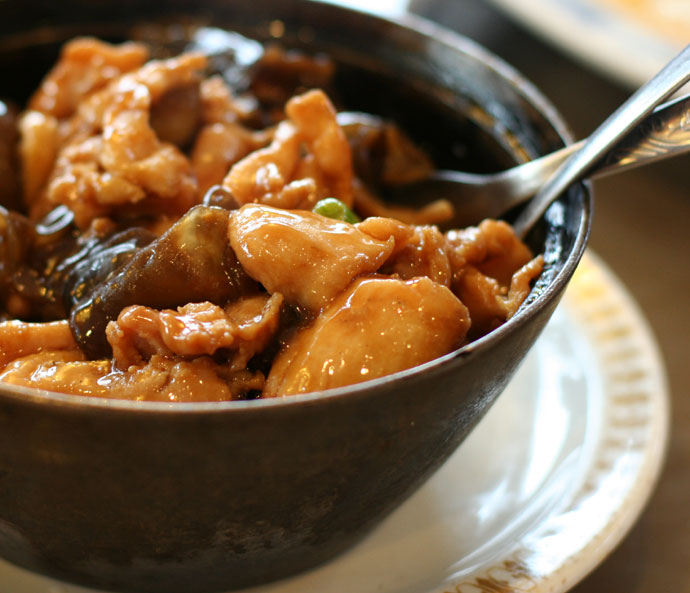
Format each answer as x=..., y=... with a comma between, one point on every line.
x=10, y=186
x=230, y=54
x=97, y=261
x=16, y=238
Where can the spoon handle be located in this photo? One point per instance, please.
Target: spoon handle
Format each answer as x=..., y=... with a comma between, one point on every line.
x=664, y=133
x=674, y=75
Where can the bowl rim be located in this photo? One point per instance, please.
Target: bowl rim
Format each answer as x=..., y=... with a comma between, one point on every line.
x=523, y=88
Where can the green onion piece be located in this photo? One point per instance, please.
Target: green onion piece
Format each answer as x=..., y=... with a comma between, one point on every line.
x=334, y=208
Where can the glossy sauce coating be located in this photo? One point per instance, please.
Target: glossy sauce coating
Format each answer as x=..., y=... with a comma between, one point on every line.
x=166, y=242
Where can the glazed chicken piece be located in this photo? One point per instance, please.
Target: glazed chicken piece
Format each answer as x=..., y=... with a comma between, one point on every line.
x=222, y=140
x=21, y=338
x=492, y=247
x=308, y=159
x=219, y=146
x=159, y=379
x=308, y=258
x=492, y=270
x=424, y=254
x=411, y=321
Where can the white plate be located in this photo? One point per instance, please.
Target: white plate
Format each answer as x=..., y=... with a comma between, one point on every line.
x=544, y=488
x=629, y=40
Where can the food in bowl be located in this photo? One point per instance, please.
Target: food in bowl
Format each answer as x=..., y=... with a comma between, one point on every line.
x=183, y=229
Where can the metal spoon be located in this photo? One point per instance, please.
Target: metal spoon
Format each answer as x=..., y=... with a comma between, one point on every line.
x=630, y=137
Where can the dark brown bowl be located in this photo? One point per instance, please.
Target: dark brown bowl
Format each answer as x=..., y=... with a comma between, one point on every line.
x=204, y=497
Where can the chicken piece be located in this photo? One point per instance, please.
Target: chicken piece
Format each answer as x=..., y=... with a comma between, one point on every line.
x=152, y=81
x=85, y=65
x=265, y=172
x=132, y=150
x=521, y=284
x=113, y=163
x=38, y=147
x=377, y=327
x=219, y=146
x=492, y=272
x=492, y=247
x=195, y=329
x=219, y=105
x=315, y=118
x=222, y=141
x=305, y=256
x=79, y=182
x=160, y=379
x=424, y=254
x=280, y=176
x=20, y=338
x=384, y=228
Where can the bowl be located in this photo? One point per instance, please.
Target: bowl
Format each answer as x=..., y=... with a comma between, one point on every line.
x=153, y=497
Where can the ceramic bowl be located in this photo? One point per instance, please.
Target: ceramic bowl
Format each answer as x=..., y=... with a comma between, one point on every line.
x=152, y=497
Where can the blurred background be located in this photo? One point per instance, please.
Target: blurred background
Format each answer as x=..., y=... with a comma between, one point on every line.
x=587, y=56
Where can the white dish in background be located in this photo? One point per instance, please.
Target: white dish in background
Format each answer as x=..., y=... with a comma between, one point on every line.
x=542, y=490
x=628, y=40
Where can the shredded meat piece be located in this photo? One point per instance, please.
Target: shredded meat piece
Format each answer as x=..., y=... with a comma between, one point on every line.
x=219, y=146
x=159, y=379
x=306, y=257
x=280, y=176
x=79, y=182
x=424, y=254
x=113, y=157
x=315, y=118
x=492, y=271
x=492, y=247
x=411, y=321
x=132, y=150
x=153, y=80
x=195, y=329
x=222, y=140
x=384, y=228
x=85, y=65
x=520, y=284
x=264, y=173
x=20, y=338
